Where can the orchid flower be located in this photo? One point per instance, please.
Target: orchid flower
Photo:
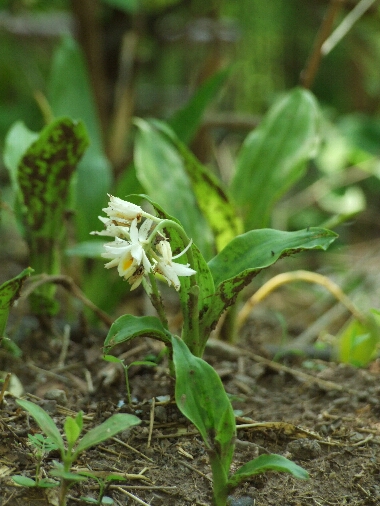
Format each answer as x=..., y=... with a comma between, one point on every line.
x=169, y=269
x=129, y=256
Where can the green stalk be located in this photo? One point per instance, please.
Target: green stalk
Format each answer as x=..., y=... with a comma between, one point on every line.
x=219, y=479
x=190, y=331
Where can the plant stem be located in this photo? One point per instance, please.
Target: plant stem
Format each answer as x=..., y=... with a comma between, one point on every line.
x=219, y=479
x=190, y=332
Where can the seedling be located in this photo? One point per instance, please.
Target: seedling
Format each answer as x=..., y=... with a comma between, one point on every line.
x=201, y=397
x=103, y=483
x=111, y=358
x=42, y=446
x=75, y=445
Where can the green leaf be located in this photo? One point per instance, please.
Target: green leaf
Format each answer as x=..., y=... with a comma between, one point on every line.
x=24, y=481
x=186, y=121
x=17, y=141
x=70, y=94
x=114, y=424
x=72, y=430
x=9, y=293
x=245, y=256
x=128, y=327
x=44, y=421
x=273, y=156
x=200, y=396
x=358, y=341
x=160, y=169
x=266, y=463
x=211, y=197
x=44, y=175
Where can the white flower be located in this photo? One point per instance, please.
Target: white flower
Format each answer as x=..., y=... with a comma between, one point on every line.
x=122, y=212
x=129, y=256
x=169, y=269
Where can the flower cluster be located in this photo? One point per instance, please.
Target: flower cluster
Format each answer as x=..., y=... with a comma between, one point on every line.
x=132, y=251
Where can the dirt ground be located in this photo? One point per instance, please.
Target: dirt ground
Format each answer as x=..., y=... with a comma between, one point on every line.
x=323, y=415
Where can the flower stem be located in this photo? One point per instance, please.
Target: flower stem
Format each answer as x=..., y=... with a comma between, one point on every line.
x=189, y=297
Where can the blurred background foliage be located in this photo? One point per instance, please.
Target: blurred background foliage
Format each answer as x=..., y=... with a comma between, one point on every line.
x=108, y=61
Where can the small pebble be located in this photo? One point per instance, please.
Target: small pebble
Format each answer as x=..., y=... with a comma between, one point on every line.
x=241, y=501
x=304, y=449
x=55, y=394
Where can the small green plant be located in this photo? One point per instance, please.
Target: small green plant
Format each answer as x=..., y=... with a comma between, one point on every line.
x=42, y=446
x=201, y=397
x=103, y=483
x=75, y=445
x=111, y=358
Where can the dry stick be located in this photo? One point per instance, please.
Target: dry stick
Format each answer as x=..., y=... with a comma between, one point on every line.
x=135, y=498
x=287, y=277
x=68, y=283
x=346, y=25
x=151, y=422
x=310, y=71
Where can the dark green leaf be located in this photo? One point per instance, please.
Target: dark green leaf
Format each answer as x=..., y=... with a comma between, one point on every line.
x=9, y=292
x=128, y=327
x=44, y=421
x=44, y=175
x=274, y=155
x=266, y=463
x=200, y=396
x=245, y=256
x=105, y=430
x=128, y=6
x=186, y=121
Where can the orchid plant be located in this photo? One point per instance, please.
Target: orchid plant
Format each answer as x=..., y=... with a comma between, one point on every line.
x=142, y=250
x=151, y=246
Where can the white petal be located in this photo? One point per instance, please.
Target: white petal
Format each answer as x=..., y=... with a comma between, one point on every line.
x=169, y=274
x=133, y=232
x=144, y=230
x=182, y=270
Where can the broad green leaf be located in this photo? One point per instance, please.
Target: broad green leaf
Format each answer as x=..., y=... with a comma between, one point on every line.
x=70, y=94
x=44, y=175
x=9, y=292
x=357, y=343
x=44, y=421
x=128, y=327
x=266, y=463
x=107, y=429
x=24, y=481
x=161, y=171
x=211, y=196
x=186, y=121
x=201, y=397
x=274, y=156
x=17, y=141
x=240, y=261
